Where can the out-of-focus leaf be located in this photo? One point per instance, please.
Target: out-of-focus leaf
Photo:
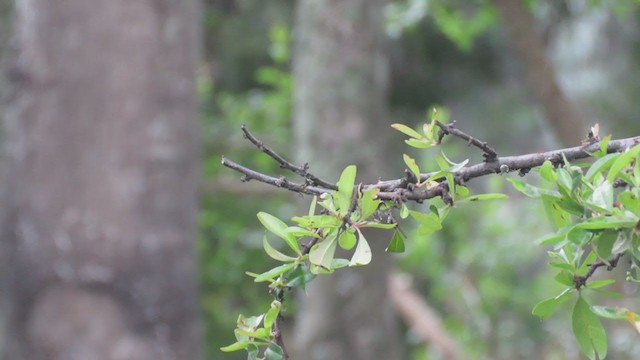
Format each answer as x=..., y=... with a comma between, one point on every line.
x=276, y=271
x=622, y=162
x=273, y=352
x=347, y=239
x=589, y=331
x=610, y=313
x=275, y=254
x=547, y=171
x=407, y=131
x=429, y=223
x=239, y=345
x=397, y=243
x=565, y=278
x=596, y=284
x=278, y=227
x=600, y=165
x=548, y=306
x=607, y=222
x=630, y=202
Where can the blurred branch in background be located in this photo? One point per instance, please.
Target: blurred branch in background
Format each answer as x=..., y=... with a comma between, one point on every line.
x=561, y=114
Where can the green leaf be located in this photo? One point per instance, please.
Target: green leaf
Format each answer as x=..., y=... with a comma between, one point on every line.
x=589, y=331
x=600, y=165
x=596, y=284
x=322, y=254
x=273, y=352
x=407, y=131
x=299, y=232
x=239, y=345
x=300, y=276
x=528, y=190
x=397, y=243
x=272, y=314
x=345, y=188
x=376, y=225
x=347, y=239
x=602, y=196
x=276, y=271
x=630, y=202
x=565, y=278
x=404, y=211
x=604, y=144
x=312, y=206
x=603, y=245
x=481, y=197
x=419, y=144
x=411, y=164
x=610, y=313
x=278, y=227
x=275, y=254
x=362, y=255
x=462, y=191
x=547, y=171
x=318, y=221
x=368, y=202
x=565, y=180
x=557, y=216
x=579, y=236
x=548, y=306
x=429, y=223
x=607, y=222
x=622, y=162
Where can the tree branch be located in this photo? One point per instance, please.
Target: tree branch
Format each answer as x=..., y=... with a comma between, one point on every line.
x=489, y=153
x=581, y=281
x=300, y=170
x=398, y=189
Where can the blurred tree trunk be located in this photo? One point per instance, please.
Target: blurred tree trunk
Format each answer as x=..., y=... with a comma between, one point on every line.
x=562, y=116
x=100, y=182
x=340, y=70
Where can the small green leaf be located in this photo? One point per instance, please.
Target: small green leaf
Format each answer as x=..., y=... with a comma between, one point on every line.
x=362, y=254
x=596, y=284
x=603, y=245
x=600, y=165
x=630, y=202
x=345, y=188
x=272, y=314
x=528, y=190
x=419, y=144
x=407, y=131
x=429, y=223
x=275, y=254
x=300, y=276
x=322, y=254
x=565, y=278
x=589, y=331
x=462, y=191
x=273, y=352
x=312, y=206
x=347, y=239
x=481, y=197
x=610, y=313
x=276, y=271
x=278, y=227
x=602, y=196
x=299, y=232
x=622, y=162
x=404, y=211
x=547, y=171
x=607, y=222
x=411, y=164
x=376, y=225
x=318, y=221
x=239, y=345
x=368, y=202
x=548, y=306
x=397, y=243
x=558, y=217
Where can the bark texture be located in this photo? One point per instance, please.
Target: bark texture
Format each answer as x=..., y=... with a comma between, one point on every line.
x=562, y=116
x=340, y=70
x=101, y=180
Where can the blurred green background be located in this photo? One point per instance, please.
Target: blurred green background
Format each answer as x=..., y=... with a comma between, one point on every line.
x=481, y=274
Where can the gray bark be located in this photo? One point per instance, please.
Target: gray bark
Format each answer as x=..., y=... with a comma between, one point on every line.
x=100, y=181
x=340, y=70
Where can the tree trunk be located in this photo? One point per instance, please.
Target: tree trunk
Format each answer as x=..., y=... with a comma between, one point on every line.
x=101, y=176
x=340, y=71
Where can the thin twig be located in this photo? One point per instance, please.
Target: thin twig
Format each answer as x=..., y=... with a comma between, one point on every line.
x=489, y=153
x=581, y=281
x=300, y=170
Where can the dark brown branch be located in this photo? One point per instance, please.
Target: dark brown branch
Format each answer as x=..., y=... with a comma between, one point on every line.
x=300, y=170
x=581, y=281
x=397, y=189
x=489, y=153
